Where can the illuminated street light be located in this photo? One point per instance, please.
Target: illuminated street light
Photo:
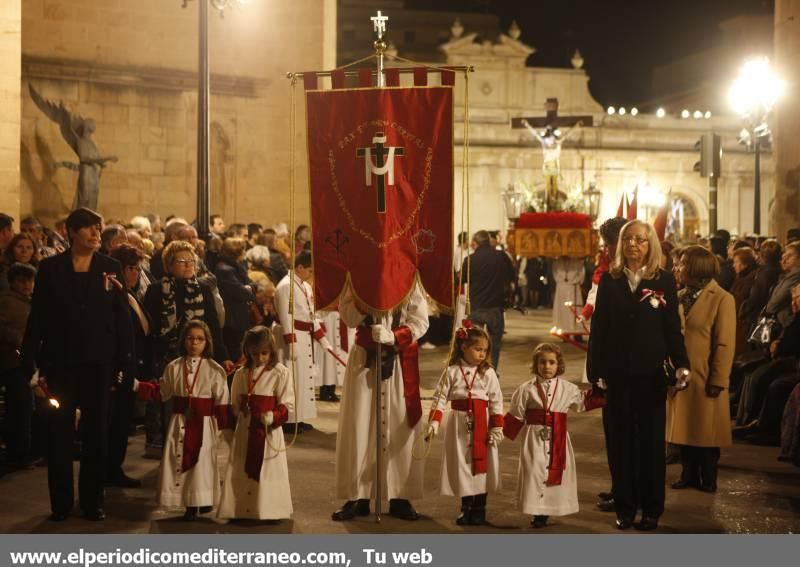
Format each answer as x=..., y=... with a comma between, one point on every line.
x=661, y=113
x=753, y=94
x=708, y=114
x=684, y=113
x=698, y=114
x=634, y=111
x=612, y=110
x=621, y=110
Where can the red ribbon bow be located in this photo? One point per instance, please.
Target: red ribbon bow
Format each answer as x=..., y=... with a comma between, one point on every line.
x=461, y=332
x=657, y=296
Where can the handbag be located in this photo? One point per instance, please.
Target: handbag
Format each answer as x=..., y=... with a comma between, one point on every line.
x=765, y=330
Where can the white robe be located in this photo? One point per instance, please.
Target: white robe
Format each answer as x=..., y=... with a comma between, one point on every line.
x=534, y=496
x=270, y=497
x=329, y=371
x=304, y=368
x=199, y=486
x=402, y=474
x=568, y=273
x=457, y=476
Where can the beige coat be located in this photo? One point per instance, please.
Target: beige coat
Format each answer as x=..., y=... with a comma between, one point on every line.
x=693, y=417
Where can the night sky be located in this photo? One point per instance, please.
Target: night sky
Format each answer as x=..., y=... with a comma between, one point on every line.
x=621, y=40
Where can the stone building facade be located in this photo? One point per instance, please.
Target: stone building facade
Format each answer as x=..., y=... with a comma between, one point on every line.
x=131, y=66
x=619, y=153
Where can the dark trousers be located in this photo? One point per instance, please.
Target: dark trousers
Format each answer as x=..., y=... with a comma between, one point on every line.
x=495, y=325
x=756, y=385
x=778, y=392
x=699, y=465
x=85, y=387
x=607, y=434
x=233, y=342
x=637, y=416
x=19, y=415
x=119, y=422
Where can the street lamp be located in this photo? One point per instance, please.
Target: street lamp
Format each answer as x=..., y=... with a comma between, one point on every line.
x=515, y=202
x=753, y=94
x=592, y=197
x=203, y=95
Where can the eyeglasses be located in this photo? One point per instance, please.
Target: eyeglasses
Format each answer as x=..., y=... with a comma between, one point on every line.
x=635, y=239
x=185, y=262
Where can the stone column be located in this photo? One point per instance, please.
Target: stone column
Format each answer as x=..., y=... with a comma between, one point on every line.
x=785, y=212
x=10, y=104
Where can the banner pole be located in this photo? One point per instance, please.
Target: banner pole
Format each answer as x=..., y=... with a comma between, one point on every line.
x=379, y=26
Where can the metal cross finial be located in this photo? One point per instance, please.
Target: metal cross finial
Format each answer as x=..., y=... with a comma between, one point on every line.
x=379, y=24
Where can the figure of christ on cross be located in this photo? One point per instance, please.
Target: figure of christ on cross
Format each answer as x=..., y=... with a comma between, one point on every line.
x=380, y=168
x=551, y=139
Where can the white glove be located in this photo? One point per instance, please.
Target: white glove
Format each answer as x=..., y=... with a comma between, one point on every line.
x=682, y=378
x=135, y=385
x=325, y=343
x=267, y=419
x=381, y=334
x=432, y=430
x=495, y=436
x=602, y=384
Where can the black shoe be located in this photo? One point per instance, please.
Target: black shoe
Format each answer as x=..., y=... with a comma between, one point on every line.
x=289, y=428
x=539, y=521
x=464, y=519
x=306, y=427
x=95, y=514
x=205, y=509
x=332, y=397
x=351, y=509
x=624, y=523
x=122, y=480
x=190, y=514
x=605, y=495
x=402, y=508
x=477, y=517
x=58, y=517
x=682, y=484
x=709, y=488
x=647, y=524
x=606, y=505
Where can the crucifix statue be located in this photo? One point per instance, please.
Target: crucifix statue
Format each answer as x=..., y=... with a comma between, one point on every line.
x=549, y=134
x=380, y=168
x=77, y=132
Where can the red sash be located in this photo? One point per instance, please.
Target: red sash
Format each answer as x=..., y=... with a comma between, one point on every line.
x=257, y=433
x=193, y=438
x=480, y=430
x=409, y=362
x=558, y=440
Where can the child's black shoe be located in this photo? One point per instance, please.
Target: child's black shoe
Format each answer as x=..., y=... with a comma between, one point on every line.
x=539, y=521
x=465, y=518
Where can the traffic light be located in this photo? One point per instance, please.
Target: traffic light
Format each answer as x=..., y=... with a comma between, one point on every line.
x=710, y=155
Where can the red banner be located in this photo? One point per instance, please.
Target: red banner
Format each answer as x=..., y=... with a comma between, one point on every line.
x=381, y=178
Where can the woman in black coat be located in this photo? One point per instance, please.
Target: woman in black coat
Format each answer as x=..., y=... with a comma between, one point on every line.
x=636, y=336
x=236, y=292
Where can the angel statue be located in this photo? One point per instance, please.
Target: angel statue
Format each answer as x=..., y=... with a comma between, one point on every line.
x=551, y=139
x=77, y=132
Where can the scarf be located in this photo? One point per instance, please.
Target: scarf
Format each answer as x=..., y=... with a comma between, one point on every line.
x=192, y=302
x=691, y=293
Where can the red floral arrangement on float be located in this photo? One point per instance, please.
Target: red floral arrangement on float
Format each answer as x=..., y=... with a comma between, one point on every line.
x=554, y=220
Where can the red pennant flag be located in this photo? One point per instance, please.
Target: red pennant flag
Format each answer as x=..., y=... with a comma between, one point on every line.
x=381, y=182
x=622, y=210
x=660, y=222
x=633, y=208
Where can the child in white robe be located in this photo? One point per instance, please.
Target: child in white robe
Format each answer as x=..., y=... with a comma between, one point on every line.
x=474, y=429
x=547, y=483
x=198, y=389
x=256, y=482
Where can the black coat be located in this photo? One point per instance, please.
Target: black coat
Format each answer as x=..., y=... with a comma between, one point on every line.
x=71, y=323
x=490, y=271
x=629, y=337
x=232, y=280
x=165, y=348
x=766, y=277
x=143, y=346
